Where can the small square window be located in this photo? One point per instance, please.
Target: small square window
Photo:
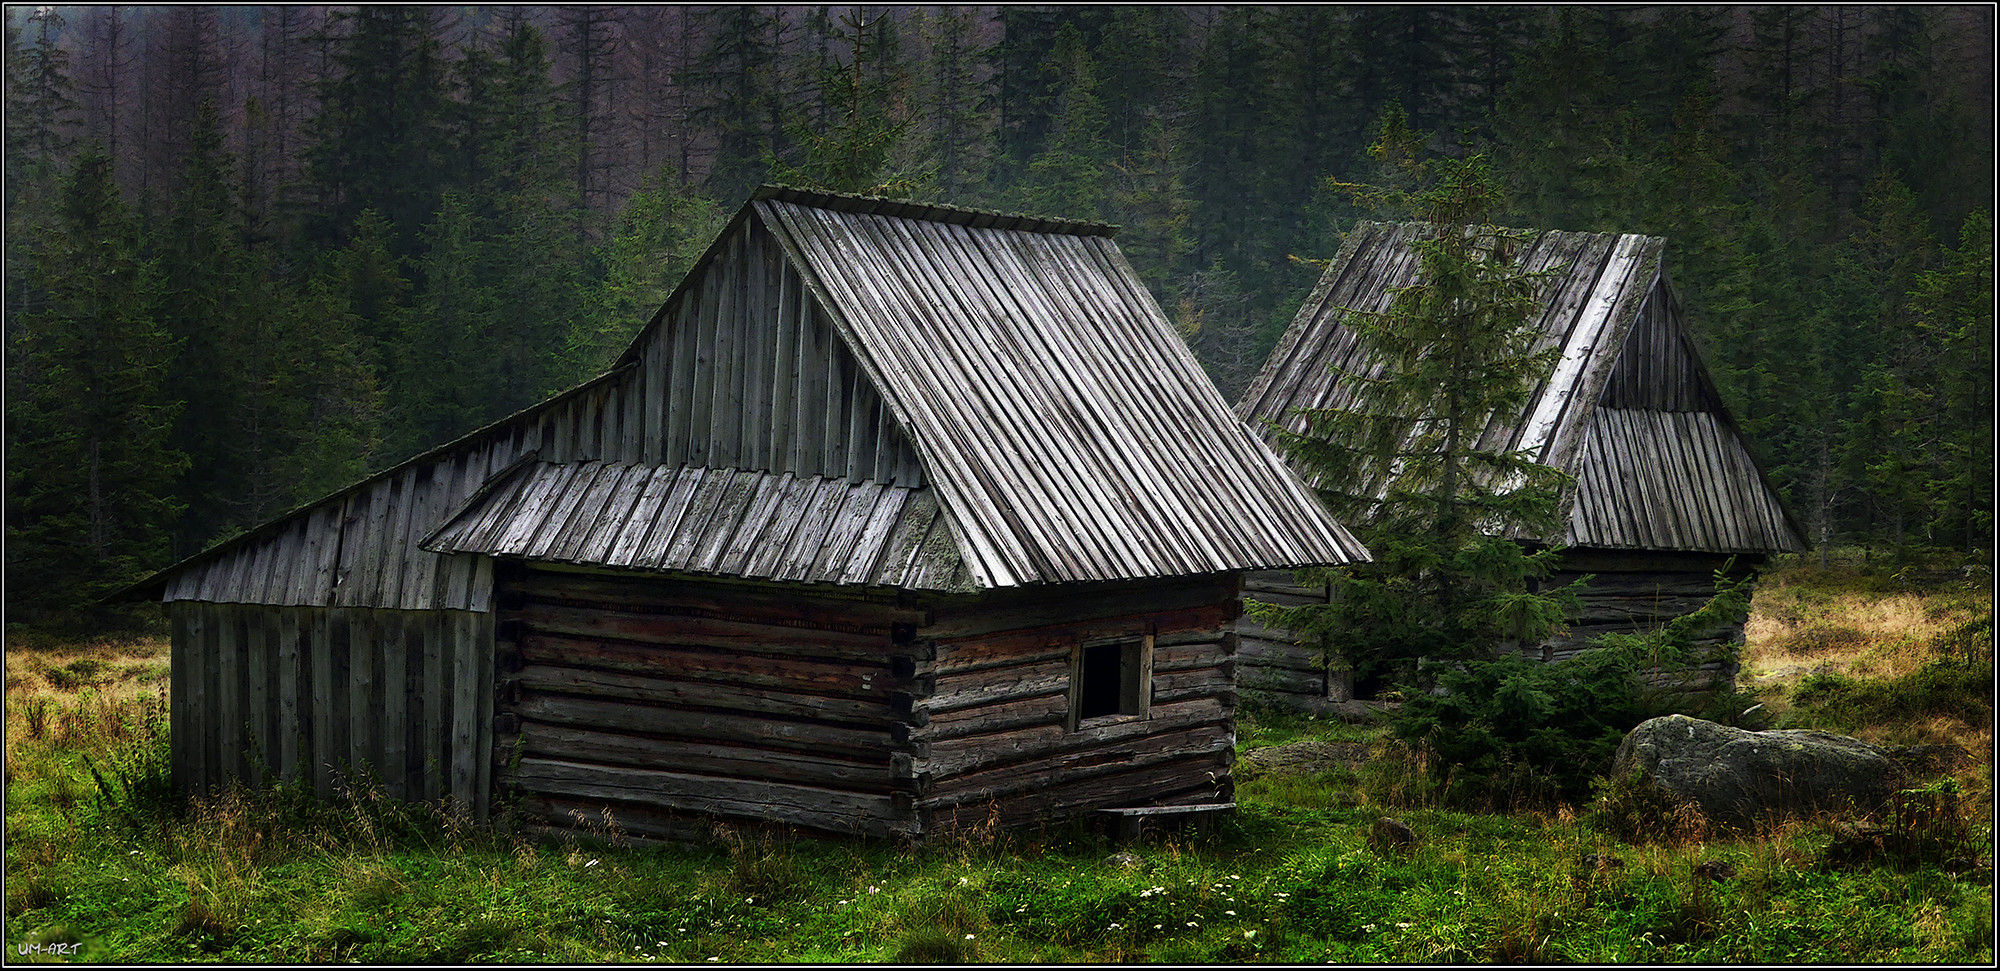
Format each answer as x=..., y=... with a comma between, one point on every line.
x=1111, y=678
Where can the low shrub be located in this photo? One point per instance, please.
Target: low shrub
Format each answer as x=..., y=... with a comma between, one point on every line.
x=1942, y=688
x=1515, y=732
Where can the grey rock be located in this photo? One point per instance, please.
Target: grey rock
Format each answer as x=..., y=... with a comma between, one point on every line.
x=1124, y=860
x=1391, y=836
x=1737, y=777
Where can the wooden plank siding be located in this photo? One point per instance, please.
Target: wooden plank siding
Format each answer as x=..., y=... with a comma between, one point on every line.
x=1274, y=667
x=663, y=701
x=300, y=693
x=991, y=704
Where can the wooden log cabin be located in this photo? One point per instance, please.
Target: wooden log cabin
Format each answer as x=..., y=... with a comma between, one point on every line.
x=1666, y=490
x=893, y=515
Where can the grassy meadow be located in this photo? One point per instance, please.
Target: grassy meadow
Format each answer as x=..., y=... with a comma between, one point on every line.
x=101, y=866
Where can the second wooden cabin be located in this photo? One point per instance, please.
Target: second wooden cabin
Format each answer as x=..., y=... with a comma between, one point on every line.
x=1666, y=491
x=894, y=515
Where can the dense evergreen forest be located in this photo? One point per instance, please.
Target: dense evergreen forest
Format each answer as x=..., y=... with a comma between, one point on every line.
x=253, y=253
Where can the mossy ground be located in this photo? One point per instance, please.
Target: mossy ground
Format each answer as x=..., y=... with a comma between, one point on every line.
x=271, y=877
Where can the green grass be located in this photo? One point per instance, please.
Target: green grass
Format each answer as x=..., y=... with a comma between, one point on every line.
x=274, y=877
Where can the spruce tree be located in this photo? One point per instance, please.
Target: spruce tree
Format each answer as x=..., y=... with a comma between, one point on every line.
x=41, y=106
x=215, y=303
x=90, y=468
x=1067, y=176
x=379, y=139
x=1401, y=461
x=855, y=149
x=659, y=236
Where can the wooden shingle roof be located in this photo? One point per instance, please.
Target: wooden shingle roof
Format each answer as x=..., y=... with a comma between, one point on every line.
x=1629, y=410
x=721, y=522
x=1067, y=430
x=1002, y=383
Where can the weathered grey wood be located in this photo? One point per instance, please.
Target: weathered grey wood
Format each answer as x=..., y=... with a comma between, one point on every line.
x=338, y=688
x=858, y=679
x=705, y=631
x=1039, y=747
x=484, y=642
x=230, y=695
x=1184, y=760
x=366, y=632
x=392, y=654
x=708, y=758
x=437, y=692
x=716, y=726
x=698, y=694
x=824, y=809
x=259, y=742
x=191, y=698
x=464, y=652
x=780, y=605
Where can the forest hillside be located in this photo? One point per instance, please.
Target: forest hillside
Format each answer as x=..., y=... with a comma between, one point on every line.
x=255, y=252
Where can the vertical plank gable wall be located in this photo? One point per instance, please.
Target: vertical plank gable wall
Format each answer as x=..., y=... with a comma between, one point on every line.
x=751, y=375
x=331, y=642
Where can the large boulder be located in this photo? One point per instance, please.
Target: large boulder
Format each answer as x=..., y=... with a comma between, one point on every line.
x=1738, y=777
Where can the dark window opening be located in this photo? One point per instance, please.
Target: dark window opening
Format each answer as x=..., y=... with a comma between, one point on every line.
x=1102, y=692
x=1112, y=678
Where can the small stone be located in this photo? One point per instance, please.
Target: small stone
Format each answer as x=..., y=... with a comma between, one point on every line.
x=1391, y=835
x=1715, y=870
x=1126, y=860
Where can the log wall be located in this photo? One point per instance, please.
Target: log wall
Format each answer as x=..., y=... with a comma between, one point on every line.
x=1629, y=593
x=991, y=736
x=304, y=694
x=670, y=704
x=1272, y=667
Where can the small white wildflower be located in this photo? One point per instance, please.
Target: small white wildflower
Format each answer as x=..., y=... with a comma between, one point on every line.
x=1368, y=928
x=713, y=960
x=1193, y=924
x=1234, y=877
x=1113, y=927
x=1156, y=927
x=1249, y=934
x=874, y=889
x=1402, y=925
x=968, y=937
x=1230, y=912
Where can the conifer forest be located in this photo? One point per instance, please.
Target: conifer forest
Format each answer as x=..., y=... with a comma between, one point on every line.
x=253, y=253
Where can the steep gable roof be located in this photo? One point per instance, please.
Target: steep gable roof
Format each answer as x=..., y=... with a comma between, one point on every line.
x=1628, y=410
x=1021, y=408
x=1068, y=431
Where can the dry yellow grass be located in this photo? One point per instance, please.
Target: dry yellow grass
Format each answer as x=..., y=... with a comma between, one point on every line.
x=84, y=694
x=1792, y=632
x=1805, y=622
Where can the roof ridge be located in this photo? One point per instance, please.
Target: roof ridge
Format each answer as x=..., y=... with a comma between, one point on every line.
x=933, y=211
